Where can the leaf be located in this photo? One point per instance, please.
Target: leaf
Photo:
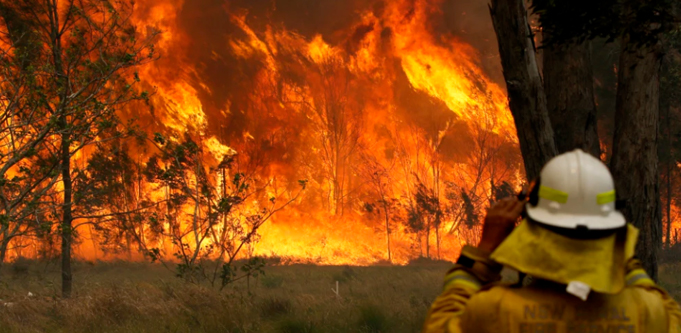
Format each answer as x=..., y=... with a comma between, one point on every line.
x=227, y=274
x=128, y=58
x=154, y=254
x=471, y=217
x=158, y=138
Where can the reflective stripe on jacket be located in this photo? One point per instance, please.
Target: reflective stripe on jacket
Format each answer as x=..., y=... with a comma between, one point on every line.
x=465, y=306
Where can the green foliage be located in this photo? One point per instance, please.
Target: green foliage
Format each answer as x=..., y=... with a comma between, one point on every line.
x=471, y=217
x=159, y=138
x=254, y=267
x=428, y=202
x=66, y=80
x=220, y=227
x=154, y=254
x=228, y=274
x=426, y=211
x=128, y=58
x=106, y=180
x=186, y=270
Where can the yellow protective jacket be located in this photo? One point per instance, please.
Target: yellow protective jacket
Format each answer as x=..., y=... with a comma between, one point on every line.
x=471, y=304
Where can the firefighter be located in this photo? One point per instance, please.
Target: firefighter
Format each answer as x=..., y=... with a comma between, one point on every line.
x=577, y=249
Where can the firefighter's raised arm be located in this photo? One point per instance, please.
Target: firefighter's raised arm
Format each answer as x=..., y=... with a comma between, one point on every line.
x=474, y=268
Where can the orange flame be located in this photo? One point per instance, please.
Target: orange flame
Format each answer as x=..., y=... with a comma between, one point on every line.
x=369, y=115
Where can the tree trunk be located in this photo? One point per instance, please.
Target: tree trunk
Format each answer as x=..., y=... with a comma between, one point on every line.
x=428, y=238
x=669, y=159
x=527, y=99
x=569, y=87
x=437, y=240
x=669, y=198
x=67, y=215
x=635, y=161
x=3, y=251
x=387, y=230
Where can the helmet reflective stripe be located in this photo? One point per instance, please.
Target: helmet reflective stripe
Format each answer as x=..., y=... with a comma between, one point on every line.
x=606, y=197
x=552, y=194
x=562, y=197
x=576, y=190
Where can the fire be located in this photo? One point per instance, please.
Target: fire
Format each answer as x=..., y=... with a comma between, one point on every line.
x=430, y=68
x=401, y=135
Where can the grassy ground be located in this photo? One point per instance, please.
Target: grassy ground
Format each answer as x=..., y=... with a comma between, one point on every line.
x=136, y=297
x=670, y=279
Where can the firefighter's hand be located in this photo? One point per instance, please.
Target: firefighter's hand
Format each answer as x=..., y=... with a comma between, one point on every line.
x=499, y=222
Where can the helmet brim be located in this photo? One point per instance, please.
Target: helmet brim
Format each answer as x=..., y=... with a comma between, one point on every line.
x=613, y=220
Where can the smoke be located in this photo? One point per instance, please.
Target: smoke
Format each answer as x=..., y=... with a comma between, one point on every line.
x=469, y=21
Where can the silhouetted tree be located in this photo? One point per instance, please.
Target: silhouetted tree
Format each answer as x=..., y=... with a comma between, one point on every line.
x=639, y=26
x=84, y=51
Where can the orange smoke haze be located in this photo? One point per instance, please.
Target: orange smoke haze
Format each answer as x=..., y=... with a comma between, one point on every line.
x=367, y=100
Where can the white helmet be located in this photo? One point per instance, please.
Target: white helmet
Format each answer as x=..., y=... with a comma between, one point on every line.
x=575, y=190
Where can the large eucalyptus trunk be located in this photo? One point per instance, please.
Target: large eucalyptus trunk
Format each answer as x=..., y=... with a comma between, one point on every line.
x=635, y=154
x=568, y=83
x=527, y=99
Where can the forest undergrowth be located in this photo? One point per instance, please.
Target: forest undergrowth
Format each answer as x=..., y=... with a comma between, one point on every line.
x=143, y=297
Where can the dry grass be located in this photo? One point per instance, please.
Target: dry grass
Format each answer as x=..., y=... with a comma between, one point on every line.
x=139, y=297
x=670, y=279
